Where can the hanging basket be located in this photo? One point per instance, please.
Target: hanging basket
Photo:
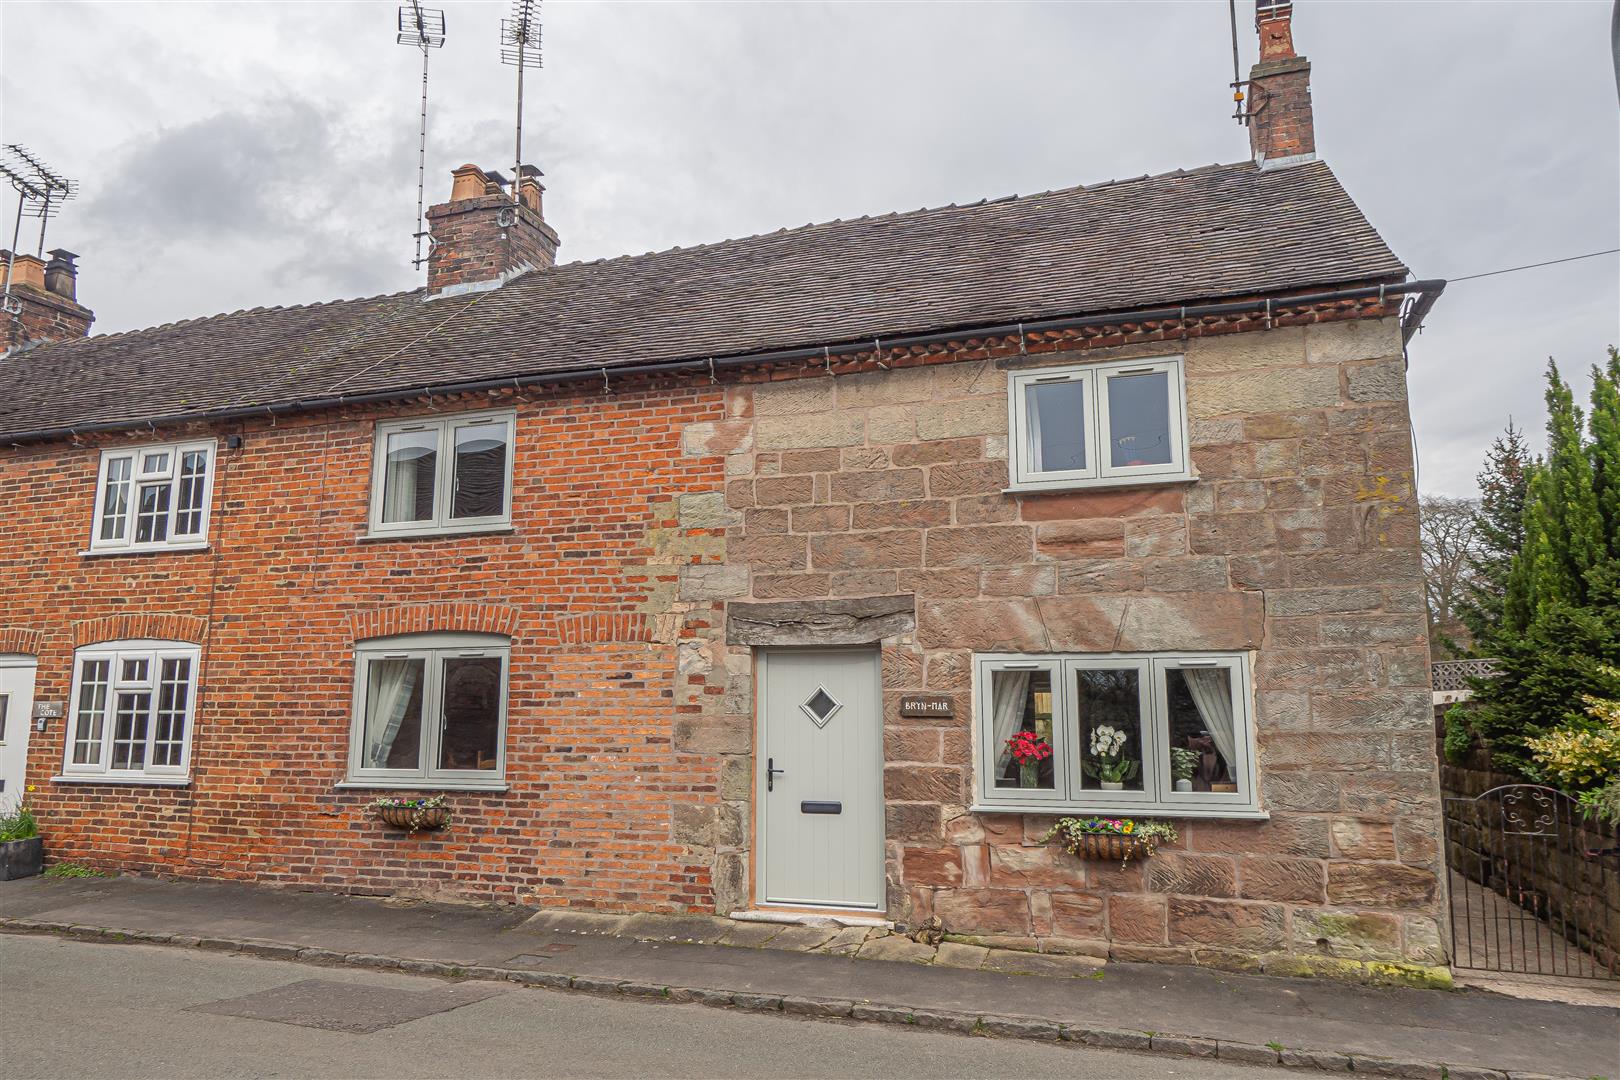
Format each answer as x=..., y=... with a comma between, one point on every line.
x=414, y=818
x=1106, y=846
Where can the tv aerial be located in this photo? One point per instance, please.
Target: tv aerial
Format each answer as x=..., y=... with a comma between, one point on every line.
x=41, y=191
x=422, y=28
x=520, y=48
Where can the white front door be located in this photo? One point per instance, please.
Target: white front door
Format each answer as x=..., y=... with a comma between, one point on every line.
x=16, y=711
x=820, y=779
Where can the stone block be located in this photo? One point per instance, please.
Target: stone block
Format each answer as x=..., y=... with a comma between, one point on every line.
x=1013, y=625
x=1103, y=503
x=1302, y=791
x=985, y=509
x=1374, y=630
x=811, y=461
x=1355, y=838
x=1193, y=875
x=877, y=485
x=1397, y=710
x=1380, y=380
x=1274, y=390
x=940, y=584
x=1231, y=534
x=864, y=457
x=934, y=453
x=1190, y=620
x=1215, y=432
x=809, y=431
x=761, y=521
x=954, y=954
x=715, y=438
x=1156, y=536
x=1356, y=935
x=1423, y=940
x=979, y=546
x=867, y=550
x=791, y=586
x=1310, y=669
x=966, y=478
x=1039, y=867
x=713, y=581
x=1089, y=538
x=914, y=822
x=1283, y=834
x=818, y=519
x=983, y=911
x=1332, y=751
x=903, y=514
x=1386, y=885
x=1185, y=573
x=1079, y=915
x=1294, y=880
x=1249, y=927
x=912, y=745
x=868, y=388
x=1330, y=601
x=1101, y=576
x=891, y=424
x=1019, y=581
x=924, y=783
x=783, y=490
x=706, y=510
x=1240, y=496
x=770, y=552
x=953, y=420
x=1137, y=920
x=1282, y=347
x=947, y=671
x=794, y=398
x=864, y=583
x=1352, y=339
x=932, y=866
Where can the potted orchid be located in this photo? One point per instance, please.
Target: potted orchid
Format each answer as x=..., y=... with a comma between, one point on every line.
x=1107, y=765
x=1029, y=750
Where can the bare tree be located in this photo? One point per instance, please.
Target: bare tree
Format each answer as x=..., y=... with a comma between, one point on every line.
x=1451, y=544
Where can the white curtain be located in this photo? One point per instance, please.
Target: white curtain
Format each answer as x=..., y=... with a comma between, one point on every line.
x=1008, y=691
x=1211, y=690
x=392, y=683
x=408, y=485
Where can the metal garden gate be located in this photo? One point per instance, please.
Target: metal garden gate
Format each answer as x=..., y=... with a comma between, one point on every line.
x=1535, y=886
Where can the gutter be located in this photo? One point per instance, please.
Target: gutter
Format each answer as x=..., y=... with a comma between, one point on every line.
x=1427, y=292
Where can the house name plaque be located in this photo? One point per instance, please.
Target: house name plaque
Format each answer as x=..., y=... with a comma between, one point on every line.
x=927, y=705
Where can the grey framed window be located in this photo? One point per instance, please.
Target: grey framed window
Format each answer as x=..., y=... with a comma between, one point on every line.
x=1123, y=733
x=430, y=711
x=132, y=711
x=440, y=475
x=1097, y=425
x=151, y=498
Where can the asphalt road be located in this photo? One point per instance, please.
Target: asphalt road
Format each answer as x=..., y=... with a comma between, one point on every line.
x=78, y=1009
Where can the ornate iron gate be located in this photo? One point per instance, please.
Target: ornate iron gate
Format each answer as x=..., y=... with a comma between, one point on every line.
x=1535, y=886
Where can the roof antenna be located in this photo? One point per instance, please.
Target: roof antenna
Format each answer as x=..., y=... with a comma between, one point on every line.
x=41, y=191
x=423, y=28
x=1237, y=75
x=520, y=48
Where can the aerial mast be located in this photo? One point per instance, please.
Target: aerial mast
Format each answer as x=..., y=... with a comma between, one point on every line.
x=423, y=28
x=520, y=48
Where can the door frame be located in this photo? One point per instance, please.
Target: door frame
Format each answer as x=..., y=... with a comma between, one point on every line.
x=23, y=721
x=756, y=882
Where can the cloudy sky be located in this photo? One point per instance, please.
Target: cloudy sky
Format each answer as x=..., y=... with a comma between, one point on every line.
x=241, y=154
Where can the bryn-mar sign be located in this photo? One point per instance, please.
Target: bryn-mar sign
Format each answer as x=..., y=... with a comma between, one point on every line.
x=927, y=705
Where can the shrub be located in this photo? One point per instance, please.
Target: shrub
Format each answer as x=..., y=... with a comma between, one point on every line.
x=1459, y=736
x=1585, y=755
x=18, y=823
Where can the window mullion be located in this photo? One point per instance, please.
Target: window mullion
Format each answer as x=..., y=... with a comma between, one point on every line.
x=432, y=718
x=444, y=475
x=1158, y=729
x=1069, y=706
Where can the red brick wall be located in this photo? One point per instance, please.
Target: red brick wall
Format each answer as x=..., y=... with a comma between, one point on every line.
x=584, y=585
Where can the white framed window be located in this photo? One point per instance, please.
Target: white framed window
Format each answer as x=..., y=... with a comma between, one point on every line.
x=432, y=475
x=132, y=712
x=1116, y=733
x=149, y=498
x=430, y=711
x=1098, y=425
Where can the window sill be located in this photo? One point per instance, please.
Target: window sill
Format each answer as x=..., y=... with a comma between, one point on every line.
x=135, y=781
x=437, y=534
x=1038, y=487
x=177, y=549
x=1232, y=813
x=495, y=786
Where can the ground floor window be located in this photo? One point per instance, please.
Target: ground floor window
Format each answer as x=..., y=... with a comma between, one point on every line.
x=1116, y=733
x=132, y=710
x=430, y=709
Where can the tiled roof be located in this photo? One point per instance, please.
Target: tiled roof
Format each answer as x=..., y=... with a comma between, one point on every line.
x=1178, y=238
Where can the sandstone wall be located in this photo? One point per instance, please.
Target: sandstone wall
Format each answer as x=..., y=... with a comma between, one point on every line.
x=1300, y=540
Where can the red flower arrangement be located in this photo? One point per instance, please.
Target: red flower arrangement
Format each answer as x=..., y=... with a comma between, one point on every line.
x=1027, y=748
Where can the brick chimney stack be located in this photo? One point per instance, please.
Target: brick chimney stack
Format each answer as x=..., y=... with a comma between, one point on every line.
x=43, y=305
x=1281, y=131
x=482, y=238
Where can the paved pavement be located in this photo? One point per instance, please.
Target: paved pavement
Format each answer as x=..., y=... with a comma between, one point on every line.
x=82, y=1010
x=1463, y=1028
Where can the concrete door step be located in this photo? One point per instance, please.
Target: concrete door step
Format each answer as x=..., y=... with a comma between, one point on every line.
x=807, y=918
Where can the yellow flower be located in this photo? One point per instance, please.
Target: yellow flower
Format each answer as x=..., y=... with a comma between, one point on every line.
x=1129, y=825
x=30, y=787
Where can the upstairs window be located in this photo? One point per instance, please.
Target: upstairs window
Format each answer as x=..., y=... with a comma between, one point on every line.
x=1099, y=425
x=437, y=476
x=132, y=710
x=430, y=711
x=1121, y=733
x=149, y=498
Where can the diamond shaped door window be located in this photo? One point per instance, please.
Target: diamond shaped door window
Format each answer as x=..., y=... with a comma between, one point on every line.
x=820, y=706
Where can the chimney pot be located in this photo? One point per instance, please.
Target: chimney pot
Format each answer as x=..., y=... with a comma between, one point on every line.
x=61, y=275
x=481, y=237
x=27, y=271
x=468, y=182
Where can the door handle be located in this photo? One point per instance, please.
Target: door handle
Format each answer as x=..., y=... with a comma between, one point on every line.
x=771, y=773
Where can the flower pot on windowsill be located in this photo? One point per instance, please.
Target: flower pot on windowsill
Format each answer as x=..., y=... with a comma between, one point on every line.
x=21, y=858
x=414, y=818
x=1103, y=846
x=1112, y=785
x=1183, y=785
